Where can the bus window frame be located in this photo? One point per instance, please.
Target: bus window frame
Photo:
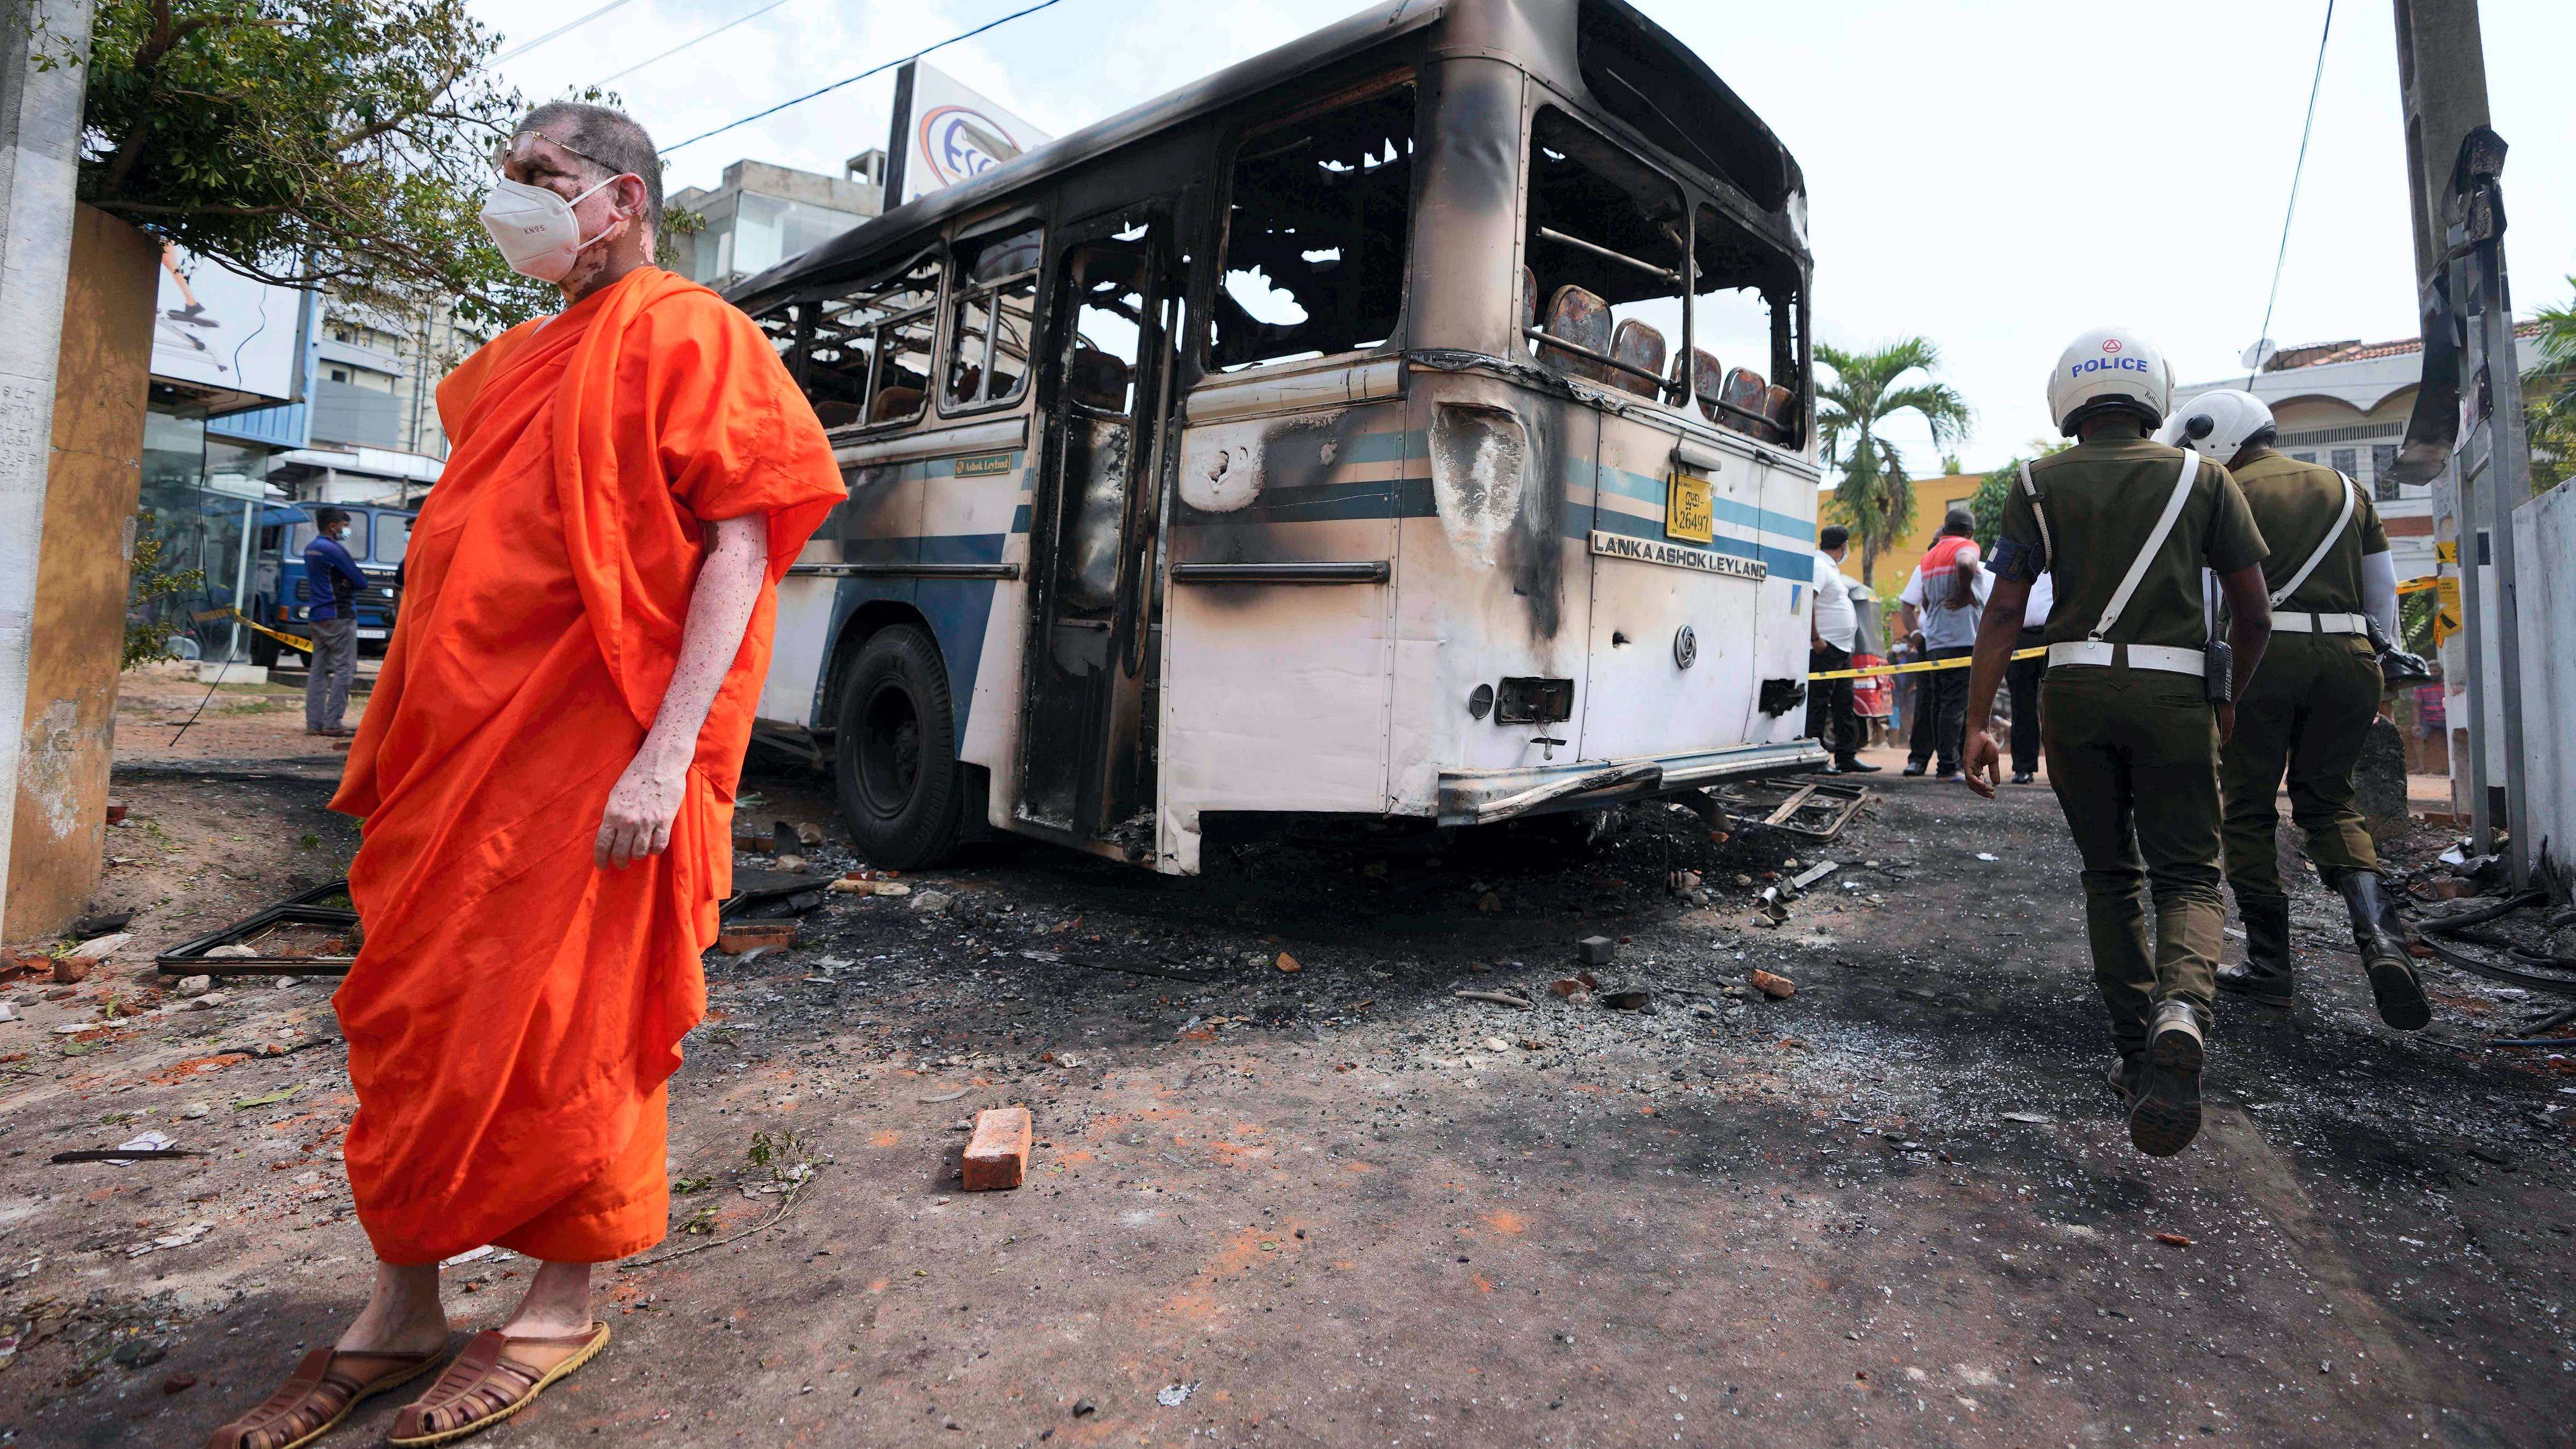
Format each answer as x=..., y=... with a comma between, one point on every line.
x=1699, y=190
x=802, y=322
x=955, y=295
x=1200, y=356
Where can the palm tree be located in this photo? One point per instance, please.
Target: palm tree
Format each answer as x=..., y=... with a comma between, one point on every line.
x=2549, y=394
x=1875, y=495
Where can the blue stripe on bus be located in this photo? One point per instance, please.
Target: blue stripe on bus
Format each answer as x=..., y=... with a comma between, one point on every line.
x=1793, y=563
x=958, y=611
x=1651, y=490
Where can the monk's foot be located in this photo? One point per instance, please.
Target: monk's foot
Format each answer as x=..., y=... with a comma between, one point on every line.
x=321, y=1392
x=496, y=1376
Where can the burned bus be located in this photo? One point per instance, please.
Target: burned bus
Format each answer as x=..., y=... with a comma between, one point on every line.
x=1414, y=421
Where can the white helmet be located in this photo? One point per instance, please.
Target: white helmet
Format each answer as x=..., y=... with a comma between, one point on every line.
x=2110, y=366
x=2218, y=424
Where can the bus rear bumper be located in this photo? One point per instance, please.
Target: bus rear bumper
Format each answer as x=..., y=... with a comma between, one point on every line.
x=1483, y=797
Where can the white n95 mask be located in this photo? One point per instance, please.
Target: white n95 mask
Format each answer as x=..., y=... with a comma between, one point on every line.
x=535, y=229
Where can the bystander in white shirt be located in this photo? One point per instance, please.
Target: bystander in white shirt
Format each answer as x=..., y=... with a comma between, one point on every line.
x=1835, y=620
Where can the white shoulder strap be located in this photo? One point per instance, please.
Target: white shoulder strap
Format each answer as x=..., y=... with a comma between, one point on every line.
x=2047, y=545
x=2351, y=492
x=2154, y=545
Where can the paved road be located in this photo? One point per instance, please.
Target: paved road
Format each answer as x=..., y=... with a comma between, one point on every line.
x=1342, y=1205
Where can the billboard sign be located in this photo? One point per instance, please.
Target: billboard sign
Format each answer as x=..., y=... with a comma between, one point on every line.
x=945, y=132
x=215, y=331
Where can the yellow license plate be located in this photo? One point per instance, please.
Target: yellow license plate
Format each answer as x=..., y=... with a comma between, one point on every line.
x=1687, y=510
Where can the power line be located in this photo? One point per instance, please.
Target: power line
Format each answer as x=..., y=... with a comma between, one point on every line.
x=685, y=44
x=862, y=75
x=2306, y=129
x=519, y=50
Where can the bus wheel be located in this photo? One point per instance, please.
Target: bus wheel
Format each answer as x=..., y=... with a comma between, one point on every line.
x=263, y=651
x=894, y=751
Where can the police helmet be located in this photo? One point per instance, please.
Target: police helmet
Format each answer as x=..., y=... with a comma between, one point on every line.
x=2219, y=424
x=2107, y=368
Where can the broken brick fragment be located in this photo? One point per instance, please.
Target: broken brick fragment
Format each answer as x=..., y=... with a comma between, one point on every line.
x=1289, y=963
x=997, y=1157
x=736, y=938
x=1773, y=984
x=69, y=970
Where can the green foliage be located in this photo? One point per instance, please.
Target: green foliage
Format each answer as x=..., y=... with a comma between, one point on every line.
x=148, y=629
x=333, y=143
x=2549, y=395
x=1875, y=496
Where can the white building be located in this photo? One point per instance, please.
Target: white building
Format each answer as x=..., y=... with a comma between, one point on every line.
x=2345, y=404
x=759, y=215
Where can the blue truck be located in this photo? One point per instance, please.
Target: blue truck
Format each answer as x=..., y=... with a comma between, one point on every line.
x=282, y=595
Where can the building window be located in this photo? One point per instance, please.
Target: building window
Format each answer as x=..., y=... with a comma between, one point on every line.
x=2383, y=457
x=1317, y=234
x=2305, y=457
x=2347, y=461
x=988, y=333
x=339, y=374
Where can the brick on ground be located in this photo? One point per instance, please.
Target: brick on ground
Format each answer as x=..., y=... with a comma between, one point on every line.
x=997, y=1157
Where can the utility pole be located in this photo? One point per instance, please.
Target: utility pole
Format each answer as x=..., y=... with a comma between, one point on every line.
x=2472, y=380
x=40, y=125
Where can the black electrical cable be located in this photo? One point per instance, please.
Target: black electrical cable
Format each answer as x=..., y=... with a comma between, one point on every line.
x=862, y=75
x=2306, y=129
x=2433, y=928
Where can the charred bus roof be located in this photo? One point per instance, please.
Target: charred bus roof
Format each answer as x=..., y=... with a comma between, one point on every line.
x=1631, y=70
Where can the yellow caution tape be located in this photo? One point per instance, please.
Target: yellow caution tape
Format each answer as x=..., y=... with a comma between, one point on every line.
x=1962, y=662
x=2417, y=586
x=259, y=628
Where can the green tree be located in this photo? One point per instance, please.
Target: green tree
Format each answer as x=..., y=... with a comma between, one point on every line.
x=311, y=143
x=1875, y=495
x=2549, y=394
x=149, y=618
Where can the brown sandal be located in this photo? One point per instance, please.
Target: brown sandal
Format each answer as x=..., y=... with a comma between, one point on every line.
x=481, y=1388
x=316, y=1397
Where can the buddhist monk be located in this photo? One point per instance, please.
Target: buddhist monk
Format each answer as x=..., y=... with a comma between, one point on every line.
x=546, y=774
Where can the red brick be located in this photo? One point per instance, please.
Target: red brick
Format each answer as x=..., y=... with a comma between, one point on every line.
x=997, y=1158
x=733, y=940
x=1773, y=985
x=69, y=969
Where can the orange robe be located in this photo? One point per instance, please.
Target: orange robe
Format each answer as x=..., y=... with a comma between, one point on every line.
x=515, y=1011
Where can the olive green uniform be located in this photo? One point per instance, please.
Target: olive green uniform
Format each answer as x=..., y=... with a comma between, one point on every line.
x=2133, y=751
x=2309, y=707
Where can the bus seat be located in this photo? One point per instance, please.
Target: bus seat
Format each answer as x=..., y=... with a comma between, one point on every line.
x=1638, y=345
x=1582, y=318
x=1706, y=376
x=1781, y=406
x=1744, y=388
x=962, y=386
x=1096, y=379
x=834, y=413
x=893, y=403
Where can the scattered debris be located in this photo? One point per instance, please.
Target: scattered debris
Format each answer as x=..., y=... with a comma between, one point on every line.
x=72, y=970
x=931, y=902
x=2034, y=1119
x=194, y=985
x=1624, y=998
x=1596, y=950
x=738, y=937
x=178, y=1383
x=934, y=1098
x=1499, y=998
x=1289, y=963
x=1773, y=984
x=270, y=1099
x=149, y=1147
x=997, y=1158
x=1176, y=1395
x=1988, y=856
x=2176, y=1240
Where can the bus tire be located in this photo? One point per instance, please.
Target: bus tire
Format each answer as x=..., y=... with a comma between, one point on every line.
x=263, y=651
x=894, y=752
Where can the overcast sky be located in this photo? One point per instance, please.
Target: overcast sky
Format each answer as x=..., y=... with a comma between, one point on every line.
x=1994, y=175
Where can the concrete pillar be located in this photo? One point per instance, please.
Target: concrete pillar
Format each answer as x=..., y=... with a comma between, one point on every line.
x=68, y=742
x=40, y=125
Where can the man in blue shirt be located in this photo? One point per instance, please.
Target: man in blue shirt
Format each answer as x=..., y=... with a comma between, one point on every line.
x=333, y=579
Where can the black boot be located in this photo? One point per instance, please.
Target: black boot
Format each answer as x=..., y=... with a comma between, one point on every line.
x=2265, y=977
x=2382, y=942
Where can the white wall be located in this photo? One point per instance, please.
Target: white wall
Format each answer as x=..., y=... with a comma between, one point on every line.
x=2544, y=540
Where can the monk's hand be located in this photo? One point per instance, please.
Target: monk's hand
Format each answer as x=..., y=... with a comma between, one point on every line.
x=637, y=822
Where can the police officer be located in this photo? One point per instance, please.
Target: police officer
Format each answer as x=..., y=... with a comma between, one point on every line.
x=2309, y=710
x=2129, y=718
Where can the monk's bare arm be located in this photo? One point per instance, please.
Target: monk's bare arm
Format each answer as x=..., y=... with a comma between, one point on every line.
x=647, y=797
